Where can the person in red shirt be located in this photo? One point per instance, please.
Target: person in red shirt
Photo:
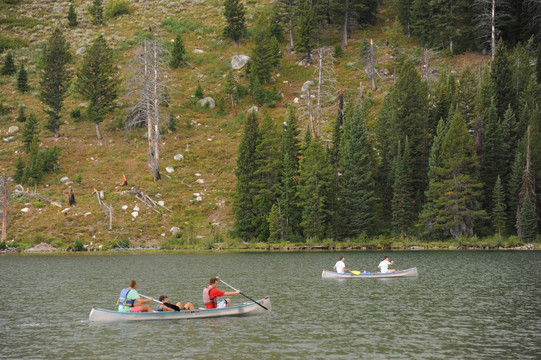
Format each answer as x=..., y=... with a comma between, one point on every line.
x=210, y=295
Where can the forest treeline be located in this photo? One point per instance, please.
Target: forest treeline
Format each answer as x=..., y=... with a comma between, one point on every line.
x=456, y=161
x=459, y=157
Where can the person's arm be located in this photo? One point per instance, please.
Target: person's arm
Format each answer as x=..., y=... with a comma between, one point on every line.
x=139, y=301
x=229, y=293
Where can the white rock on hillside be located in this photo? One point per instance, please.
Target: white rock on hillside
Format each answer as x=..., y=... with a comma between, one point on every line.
x=238, y=61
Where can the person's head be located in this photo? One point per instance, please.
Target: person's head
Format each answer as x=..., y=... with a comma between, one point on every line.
x=385, y=257
x=163, y=298
x=213, y=280
x=133, y=284
x=342, y=258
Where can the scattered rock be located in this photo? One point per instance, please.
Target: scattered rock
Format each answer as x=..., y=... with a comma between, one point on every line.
x=207, y=100
x=178, y=157
x=169, y=169
x=25, y=209
x=135, y=214
x=13, y=129
x=238, y=61
x=197, y=51
x=174, y=230
x=42, y=247
x=253, y=109
x=64, y=179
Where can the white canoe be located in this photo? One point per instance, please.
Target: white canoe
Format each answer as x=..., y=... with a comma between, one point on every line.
x=262, y=306
x=327, y=274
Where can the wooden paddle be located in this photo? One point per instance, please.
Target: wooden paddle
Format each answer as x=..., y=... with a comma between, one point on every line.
x=246, y=296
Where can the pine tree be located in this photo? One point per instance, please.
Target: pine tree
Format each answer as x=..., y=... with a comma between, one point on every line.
x=244, y=207
x=72, y=16
x=96, y=11
x=199, y=92
x=235, y=20
x=266, y=52
x=21, y=117
x=55, y=77
x=485, y=93
x=357, y=200
x=502, y=75
x=455, y=196
x=422, y=23
x=403, y=208
x=287, y=189
x=499, y=215
x=465, y=97
x=30, y=129
x=267, y=164
x=306, y=29
x=529, y=99
x=528, y=221
x=177, y=53
x=22, y=80
x=315, y=190
x=231, y=87
x=33, y=173
x=409, y=110
x=9, y=65
x=19, y=170
x=98, y=81
x=493, y=156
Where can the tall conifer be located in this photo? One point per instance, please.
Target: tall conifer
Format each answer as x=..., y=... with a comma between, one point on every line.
x=9, y=65
x=234, y=13
x=357, y=199
x=499, y=215
x=22, y=80
x=493, y=156
x=55, y=77
x=72, y=16
x=502, y=75
x=98, y=81
x=244, y=206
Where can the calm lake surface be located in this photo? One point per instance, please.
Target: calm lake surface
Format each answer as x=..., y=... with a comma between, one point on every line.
x=463, y=305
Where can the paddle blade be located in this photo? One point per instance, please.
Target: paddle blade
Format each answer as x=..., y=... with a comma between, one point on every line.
x=355, y=272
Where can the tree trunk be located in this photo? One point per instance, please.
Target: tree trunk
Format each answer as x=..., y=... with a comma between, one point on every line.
x=98, y=132
x=291, y=43
x=345, y=32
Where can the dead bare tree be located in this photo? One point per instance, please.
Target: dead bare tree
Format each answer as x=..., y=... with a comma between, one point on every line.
x=20, y=191
x=369, y=60
x=325, y=89
x=149, y=82
x=490, y=14
x=4, y=208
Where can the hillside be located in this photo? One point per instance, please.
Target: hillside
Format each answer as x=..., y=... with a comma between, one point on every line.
x=199, y=189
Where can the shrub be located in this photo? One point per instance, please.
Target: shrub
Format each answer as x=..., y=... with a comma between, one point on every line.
x=115, y=8
x=75, y=115
x=11, y=43
x=78, y=245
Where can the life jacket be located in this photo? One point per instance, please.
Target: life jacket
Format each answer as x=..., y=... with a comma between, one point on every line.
x=207, y=299
x=123, y=299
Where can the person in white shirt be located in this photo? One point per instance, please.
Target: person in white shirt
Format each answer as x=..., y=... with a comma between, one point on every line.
x=340, y=266
x=384, y=265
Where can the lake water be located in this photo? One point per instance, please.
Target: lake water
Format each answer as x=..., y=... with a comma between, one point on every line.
x=463, y=305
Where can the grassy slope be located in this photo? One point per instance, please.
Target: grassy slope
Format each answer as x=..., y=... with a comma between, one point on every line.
x=207, y=141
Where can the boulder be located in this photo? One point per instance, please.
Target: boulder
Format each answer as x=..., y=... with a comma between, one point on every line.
x=42, y=247
x=207, y=100
x=238, y=61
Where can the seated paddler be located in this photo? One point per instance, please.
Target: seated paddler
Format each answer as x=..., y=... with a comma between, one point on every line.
x=130, y=301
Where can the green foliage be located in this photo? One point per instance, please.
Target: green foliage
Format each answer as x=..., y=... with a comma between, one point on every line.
x=316, y=191
x=29, y=130
x=72, y=16
x=234, y=13
x=122, y=243
x=356, y=206
x=78, y=245
x=21, y=117
x=244, y=207
x=20, y=22
x=55, y=77
x=528, y=220
x=172, y=122
x=502, y=76
x=78, y=179
x=178, y=28
x=116, y=8
x=75, y=114
x=9, y=65
x=499, y=216
x=338, y=51
x=266, y=51
x=7, y=43
x=177, y=53
x=22, y=80
x=199, y=92
x=306, y=28
x=96, y=11
x=98, y=80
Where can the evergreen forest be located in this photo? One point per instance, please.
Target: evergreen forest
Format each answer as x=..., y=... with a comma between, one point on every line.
x=229, y=124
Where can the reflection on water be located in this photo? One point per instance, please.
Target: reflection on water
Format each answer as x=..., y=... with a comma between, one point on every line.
x=476, y=304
